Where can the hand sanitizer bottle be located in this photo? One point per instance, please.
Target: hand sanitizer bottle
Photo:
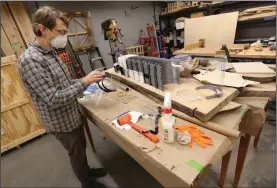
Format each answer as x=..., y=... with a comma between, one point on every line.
x=167, y=120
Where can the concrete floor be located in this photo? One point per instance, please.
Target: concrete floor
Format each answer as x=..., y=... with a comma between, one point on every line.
x=43, y=162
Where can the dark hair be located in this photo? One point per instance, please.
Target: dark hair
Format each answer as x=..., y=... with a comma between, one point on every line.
x=47, y=16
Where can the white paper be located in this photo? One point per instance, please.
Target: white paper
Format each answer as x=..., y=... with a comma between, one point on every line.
x=135, y=117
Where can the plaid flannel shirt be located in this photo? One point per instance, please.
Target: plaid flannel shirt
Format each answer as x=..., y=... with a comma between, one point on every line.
x=51, y=87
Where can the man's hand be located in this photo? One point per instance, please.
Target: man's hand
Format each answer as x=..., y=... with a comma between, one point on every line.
x=92, y=77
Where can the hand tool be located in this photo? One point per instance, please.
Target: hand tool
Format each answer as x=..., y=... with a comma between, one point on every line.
x=126, y=119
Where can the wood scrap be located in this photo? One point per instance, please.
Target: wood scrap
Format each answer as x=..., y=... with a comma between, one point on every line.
x=260, y=90
x=257, y=102
x=230, y=106
x=199, y=44
x=218, y=77
x=197, y=14
x=252, y=67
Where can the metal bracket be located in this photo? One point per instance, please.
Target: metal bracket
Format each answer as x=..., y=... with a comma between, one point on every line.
x=216, y=89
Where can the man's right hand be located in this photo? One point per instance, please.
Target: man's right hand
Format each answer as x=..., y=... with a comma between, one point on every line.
x=92, y=77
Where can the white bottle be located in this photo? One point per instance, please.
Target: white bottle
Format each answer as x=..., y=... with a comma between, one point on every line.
x=167, y=120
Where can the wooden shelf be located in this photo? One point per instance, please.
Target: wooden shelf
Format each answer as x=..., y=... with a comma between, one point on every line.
x=257, y=16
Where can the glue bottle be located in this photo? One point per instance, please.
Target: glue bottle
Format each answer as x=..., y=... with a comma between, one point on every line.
x=167, y=120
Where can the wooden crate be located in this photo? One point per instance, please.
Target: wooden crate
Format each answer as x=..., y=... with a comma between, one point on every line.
x=80, y=31
x=20, y=121
x=138, y=50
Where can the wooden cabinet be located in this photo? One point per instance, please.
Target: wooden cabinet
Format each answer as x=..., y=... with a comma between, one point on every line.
x=20, y=121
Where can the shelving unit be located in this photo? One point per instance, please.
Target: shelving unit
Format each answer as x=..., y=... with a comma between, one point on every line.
x=248, y=29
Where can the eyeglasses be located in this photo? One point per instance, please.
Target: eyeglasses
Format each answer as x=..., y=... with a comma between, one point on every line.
x=61, y=31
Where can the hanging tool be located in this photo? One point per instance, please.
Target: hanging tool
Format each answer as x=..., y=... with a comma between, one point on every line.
x=112, y=33
x=126, y=119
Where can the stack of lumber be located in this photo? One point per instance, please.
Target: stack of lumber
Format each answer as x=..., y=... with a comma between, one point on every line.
x=16, y=29
x=259, y=12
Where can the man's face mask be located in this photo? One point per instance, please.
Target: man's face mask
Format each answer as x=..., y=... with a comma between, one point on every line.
x=60, y=39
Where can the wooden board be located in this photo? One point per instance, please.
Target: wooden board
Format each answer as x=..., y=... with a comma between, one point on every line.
x=155, y=158
x=11, y=31
x=230, y=106
x=261, y=90
x=250, y=53
x=197, y=14
x=5, y=44
x=23, y=21
x=19, y=119
x=262, y=78
x=252, y=67
x=202, y=109
x=257, y=102
x=216, y=30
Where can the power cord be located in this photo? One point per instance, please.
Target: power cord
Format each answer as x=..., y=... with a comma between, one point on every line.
x=103, y=87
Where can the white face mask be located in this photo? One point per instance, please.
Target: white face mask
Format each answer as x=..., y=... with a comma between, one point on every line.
x=59, y=41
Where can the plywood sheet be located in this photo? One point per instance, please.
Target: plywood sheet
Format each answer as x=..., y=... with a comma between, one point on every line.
x=202, y=109
x=216, y=30
x=257, y=102
x=155, y=158
x=261, y=90
x=249, y=67
x=5, y=44
x=11, y=30
x=23, y=21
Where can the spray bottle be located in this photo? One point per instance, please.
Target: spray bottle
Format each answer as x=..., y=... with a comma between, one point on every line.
x=167, y=121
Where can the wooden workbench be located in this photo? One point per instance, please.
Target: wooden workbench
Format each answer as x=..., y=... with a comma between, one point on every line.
x=157, y=158
x=250, y=53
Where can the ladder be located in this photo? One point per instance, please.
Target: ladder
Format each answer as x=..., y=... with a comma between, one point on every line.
x=93, y=60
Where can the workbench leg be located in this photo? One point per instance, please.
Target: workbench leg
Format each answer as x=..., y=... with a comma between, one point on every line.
x=243, y=147
x=89, y=134
x=256, y=140
x=224, y=168
x=201, y=176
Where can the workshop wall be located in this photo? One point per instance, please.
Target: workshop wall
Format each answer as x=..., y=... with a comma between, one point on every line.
x=130, y=23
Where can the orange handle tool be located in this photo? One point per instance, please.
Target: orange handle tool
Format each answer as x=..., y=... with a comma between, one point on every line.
x=126, y=119
x=147, y=134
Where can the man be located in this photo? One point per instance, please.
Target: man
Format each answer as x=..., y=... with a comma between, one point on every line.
x=54, y=93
